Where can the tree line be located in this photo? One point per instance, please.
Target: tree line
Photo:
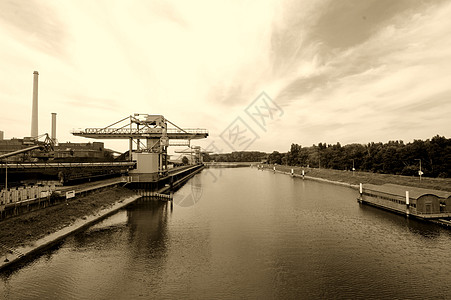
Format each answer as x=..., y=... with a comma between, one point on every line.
x=237, y=156
x=394, y=157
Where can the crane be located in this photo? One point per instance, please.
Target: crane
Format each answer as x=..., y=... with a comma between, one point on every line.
x=197, y=151
x=151, y=156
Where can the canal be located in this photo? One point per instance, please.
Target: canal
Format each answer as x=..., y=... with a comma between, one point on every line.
x=244, y=233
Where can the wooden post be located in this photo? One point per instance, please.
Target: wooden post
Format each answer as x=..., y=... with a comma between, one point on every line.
x=292, y=173
x=303, y=174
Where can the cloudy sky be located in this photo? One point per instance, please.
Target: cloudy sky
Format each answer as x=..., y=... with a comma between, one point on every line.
x=348, y=71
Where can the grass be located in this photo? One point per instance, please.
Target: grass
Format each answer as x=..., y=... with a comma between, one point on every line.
x=27, y=228
x=443, y=184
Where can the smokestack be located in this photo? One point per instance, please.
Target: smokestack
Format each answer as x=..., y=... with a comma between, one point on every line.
x=53, y=127
x=34, y=112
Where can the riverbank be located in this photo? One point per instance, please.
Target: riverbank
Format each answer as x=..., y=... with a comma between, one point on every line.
x=355, y=178
x=26, y=232
x=36, y=230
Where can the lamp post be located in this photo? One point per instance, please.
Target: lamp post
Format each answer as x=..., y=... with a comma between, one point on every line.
x=353, y=169
x=6, y=175
x=419, y=172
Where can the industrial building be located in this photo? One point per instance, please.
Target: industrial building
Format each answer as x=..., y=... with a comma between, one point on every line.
x=41, y=156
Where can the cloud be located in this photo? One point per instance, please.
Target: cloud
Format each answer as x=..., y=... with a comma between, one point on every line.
x=91, y=102
x=397, y=69
x=168, y=11
x=35, y=24
x=347, y=71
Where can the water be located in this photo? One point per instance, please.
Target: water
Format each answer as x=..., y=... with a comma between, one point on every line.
x=244, y=233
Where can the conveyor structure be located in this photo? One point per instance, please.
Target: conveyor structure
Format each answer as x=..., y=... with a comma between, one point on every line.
x=148, y=136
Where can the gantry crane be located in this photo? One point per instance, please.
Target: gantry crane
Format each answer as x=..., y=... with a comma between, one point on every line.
x=150, y=156
x=197, y=151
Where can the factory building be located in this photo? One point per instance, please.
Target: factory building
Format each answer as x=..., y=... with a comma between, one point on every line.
x=82, y=151
x=68, y=152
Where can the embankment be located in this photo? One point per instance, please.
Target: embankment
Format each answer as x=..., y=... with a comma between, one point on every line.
x=354, y=178
x=30, y=232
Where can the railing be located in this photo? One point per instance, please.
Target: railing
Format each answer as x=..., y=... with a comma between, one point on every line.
x=185, y=143
x=188, y=130
x=119, y=131
x=387, y=196
x=389, y=201
x=69, y=165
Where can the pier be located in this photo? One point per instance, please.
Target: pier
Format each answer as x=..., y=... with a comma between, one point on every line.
x=415, y=202
x=147, y=185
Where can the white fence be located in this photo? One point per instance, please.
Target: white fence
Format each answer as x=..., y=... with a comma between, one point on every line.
x=21, y=194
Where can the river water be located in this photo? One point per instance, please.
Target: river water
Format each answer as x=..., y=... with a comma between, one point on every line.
x=244, y=233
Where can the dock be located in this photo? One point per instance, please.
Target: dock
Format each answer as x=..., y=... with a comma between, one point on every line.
x=147, y=185
x=425, y=204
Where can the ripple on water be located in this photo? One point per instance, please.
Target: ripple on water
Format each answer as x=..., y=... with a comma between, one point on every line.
x=251, y=234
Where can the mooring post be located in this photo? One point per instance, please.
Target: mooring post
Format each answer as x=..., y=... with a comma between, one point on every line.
x=361, y=192
x=407, y=204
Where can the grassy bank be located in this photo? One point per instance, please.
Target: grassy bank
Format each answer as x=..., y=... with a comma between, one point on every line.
x=443, y=184
x=29, y=227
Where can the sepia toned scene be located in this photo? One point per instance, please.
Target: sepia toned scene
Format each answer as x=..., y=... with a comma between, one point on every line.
x=293, y=149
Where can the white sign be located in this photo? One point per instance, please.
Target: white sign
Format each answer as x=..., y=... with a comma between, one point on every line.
x=45, y=194
x=420, y=173
x=70, y=194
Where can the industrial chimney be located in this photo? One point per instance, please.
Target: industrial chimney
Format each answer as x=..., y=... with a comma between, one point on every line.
x=34, y=113
x=53, y=136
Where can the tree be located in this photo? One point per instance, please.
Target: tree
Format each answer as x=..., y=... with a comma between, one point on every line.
x=275, y=158
x=393, y=157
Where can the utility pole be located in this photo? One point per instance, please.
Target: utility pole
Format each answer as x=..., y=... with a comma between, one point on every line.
x=419, y=172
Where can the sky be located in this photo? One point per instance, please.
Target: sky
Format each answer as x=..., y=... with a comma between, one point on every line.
x=274, y=72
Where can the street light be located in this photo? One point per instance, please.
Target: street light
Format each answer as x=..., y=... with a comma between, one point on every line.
x=6, y=175
x=419, y=172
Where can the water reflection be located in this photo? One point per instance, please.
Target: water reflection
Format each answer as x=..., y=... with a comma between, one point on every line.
x=417, y=227
x=254, y=235
x=189, y=196
x=147, y=220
